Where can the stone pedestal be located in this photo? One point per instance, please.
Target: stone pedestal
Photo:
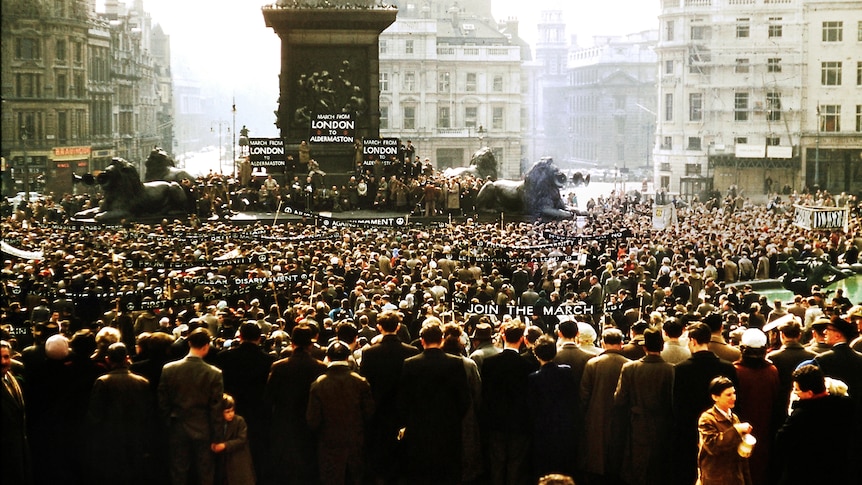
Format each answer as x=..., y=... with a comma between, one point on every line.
x=329, y=65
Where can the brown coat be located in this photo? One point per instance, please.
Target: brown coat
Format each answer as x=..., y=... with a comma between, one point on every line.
x=600, y=451
x=718, y=461
x=339, y=407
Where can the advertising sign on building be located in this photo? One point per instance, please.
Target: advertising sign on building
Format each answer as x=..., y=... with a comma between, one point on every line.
x=382, y=149
x=750, y=151
x=266, y=152
x=332, y=128
x=71, y=153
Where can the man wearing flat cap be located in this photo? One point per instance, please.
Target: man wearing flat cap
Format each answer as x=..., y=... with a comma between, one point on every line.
x=854, y=316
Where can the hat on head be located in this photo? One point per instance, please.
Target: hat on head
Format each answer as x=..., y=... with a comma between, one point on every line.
x=57, y=347
x=653, y=339
x=820, y=323
x=753, y=338
x=483, y=332
x=778, y=322
x=846, y=328
x=854, y=312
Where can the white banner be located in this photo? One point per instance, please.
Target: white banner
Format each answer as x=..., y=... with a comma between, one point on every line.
x=20, y=253
x=663, y=216
x=820, y=217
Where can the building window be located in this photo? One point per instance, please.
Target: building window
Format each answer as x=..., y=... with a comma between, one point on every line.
x=668, y=107
x=742, y=65
x=830, y=73
x=409, y=117
x=383, y=46
x=409, y=81
x=443, y=82
x=668, y=67
x=408, y=47
x=695, y=107
x=620, y=124
x=694, y=143
x=78, y=88
x=859, y=73
x=27, y=49
x=621, y=152
x=773, y=64
x=667, y=143
x=79, y=52
x=859, y=31
x=692, y=168
x=773, y=106
x=619, y=101
x=80, y=125
x=498, y=83
x=497, y=118
x=740, y=107
x=830, y=117
x=697, y=32
x=471, y=82
x=60, y=52
x=743, y=28
x=470, y=115
x=62, y=127
x=28, y=85
x=775, y=29
x=773, y=141
x=833, y=31
x=669, y=30
x=444, y=117
x=384, y=117
x=859, y=118
x=384, y=81
x=741, y=140
x=61, y=86
x=697, y=59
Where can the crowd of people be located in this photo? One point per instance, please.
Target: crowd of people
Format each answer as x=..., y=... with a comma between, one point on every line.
x=459, y=352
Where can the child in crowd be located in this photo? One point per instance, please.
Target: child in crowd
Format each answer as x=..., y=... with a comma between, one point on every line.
x=234, y=465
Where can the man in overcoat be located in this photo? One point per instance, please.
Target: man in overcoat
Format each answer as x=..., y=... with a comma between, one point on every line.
x=294, y=453
x=433, y=396
x=644, y=395
x=190, y=402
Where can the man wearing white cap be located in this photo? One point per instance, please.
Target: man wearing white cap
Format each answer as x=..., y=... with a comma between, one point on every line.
x=759, y=398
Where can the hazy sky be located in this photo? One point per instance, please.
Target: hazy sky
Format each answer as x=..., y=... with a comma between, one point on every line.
x=226, y=43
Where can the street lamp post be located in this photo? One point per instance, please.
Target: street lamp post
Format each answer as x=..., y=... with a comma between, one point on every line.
x=24, y=137
x=817, y=150
x=233, y=143
x=220, y=124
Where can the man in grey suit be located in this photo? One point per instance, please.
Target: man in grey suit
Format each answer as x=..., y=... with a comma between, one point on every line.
x=190, y=401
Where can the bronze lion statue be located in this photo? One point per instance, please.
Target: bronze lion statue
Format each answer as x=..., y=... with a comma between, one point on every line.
x=162, y=167
x=126, y=197
x=483, y=165
x=538, y=195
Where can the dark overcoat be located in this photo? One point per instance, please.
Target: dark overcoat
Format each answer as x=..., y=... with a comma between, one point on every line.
x=644, y=395
x=433, y=397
